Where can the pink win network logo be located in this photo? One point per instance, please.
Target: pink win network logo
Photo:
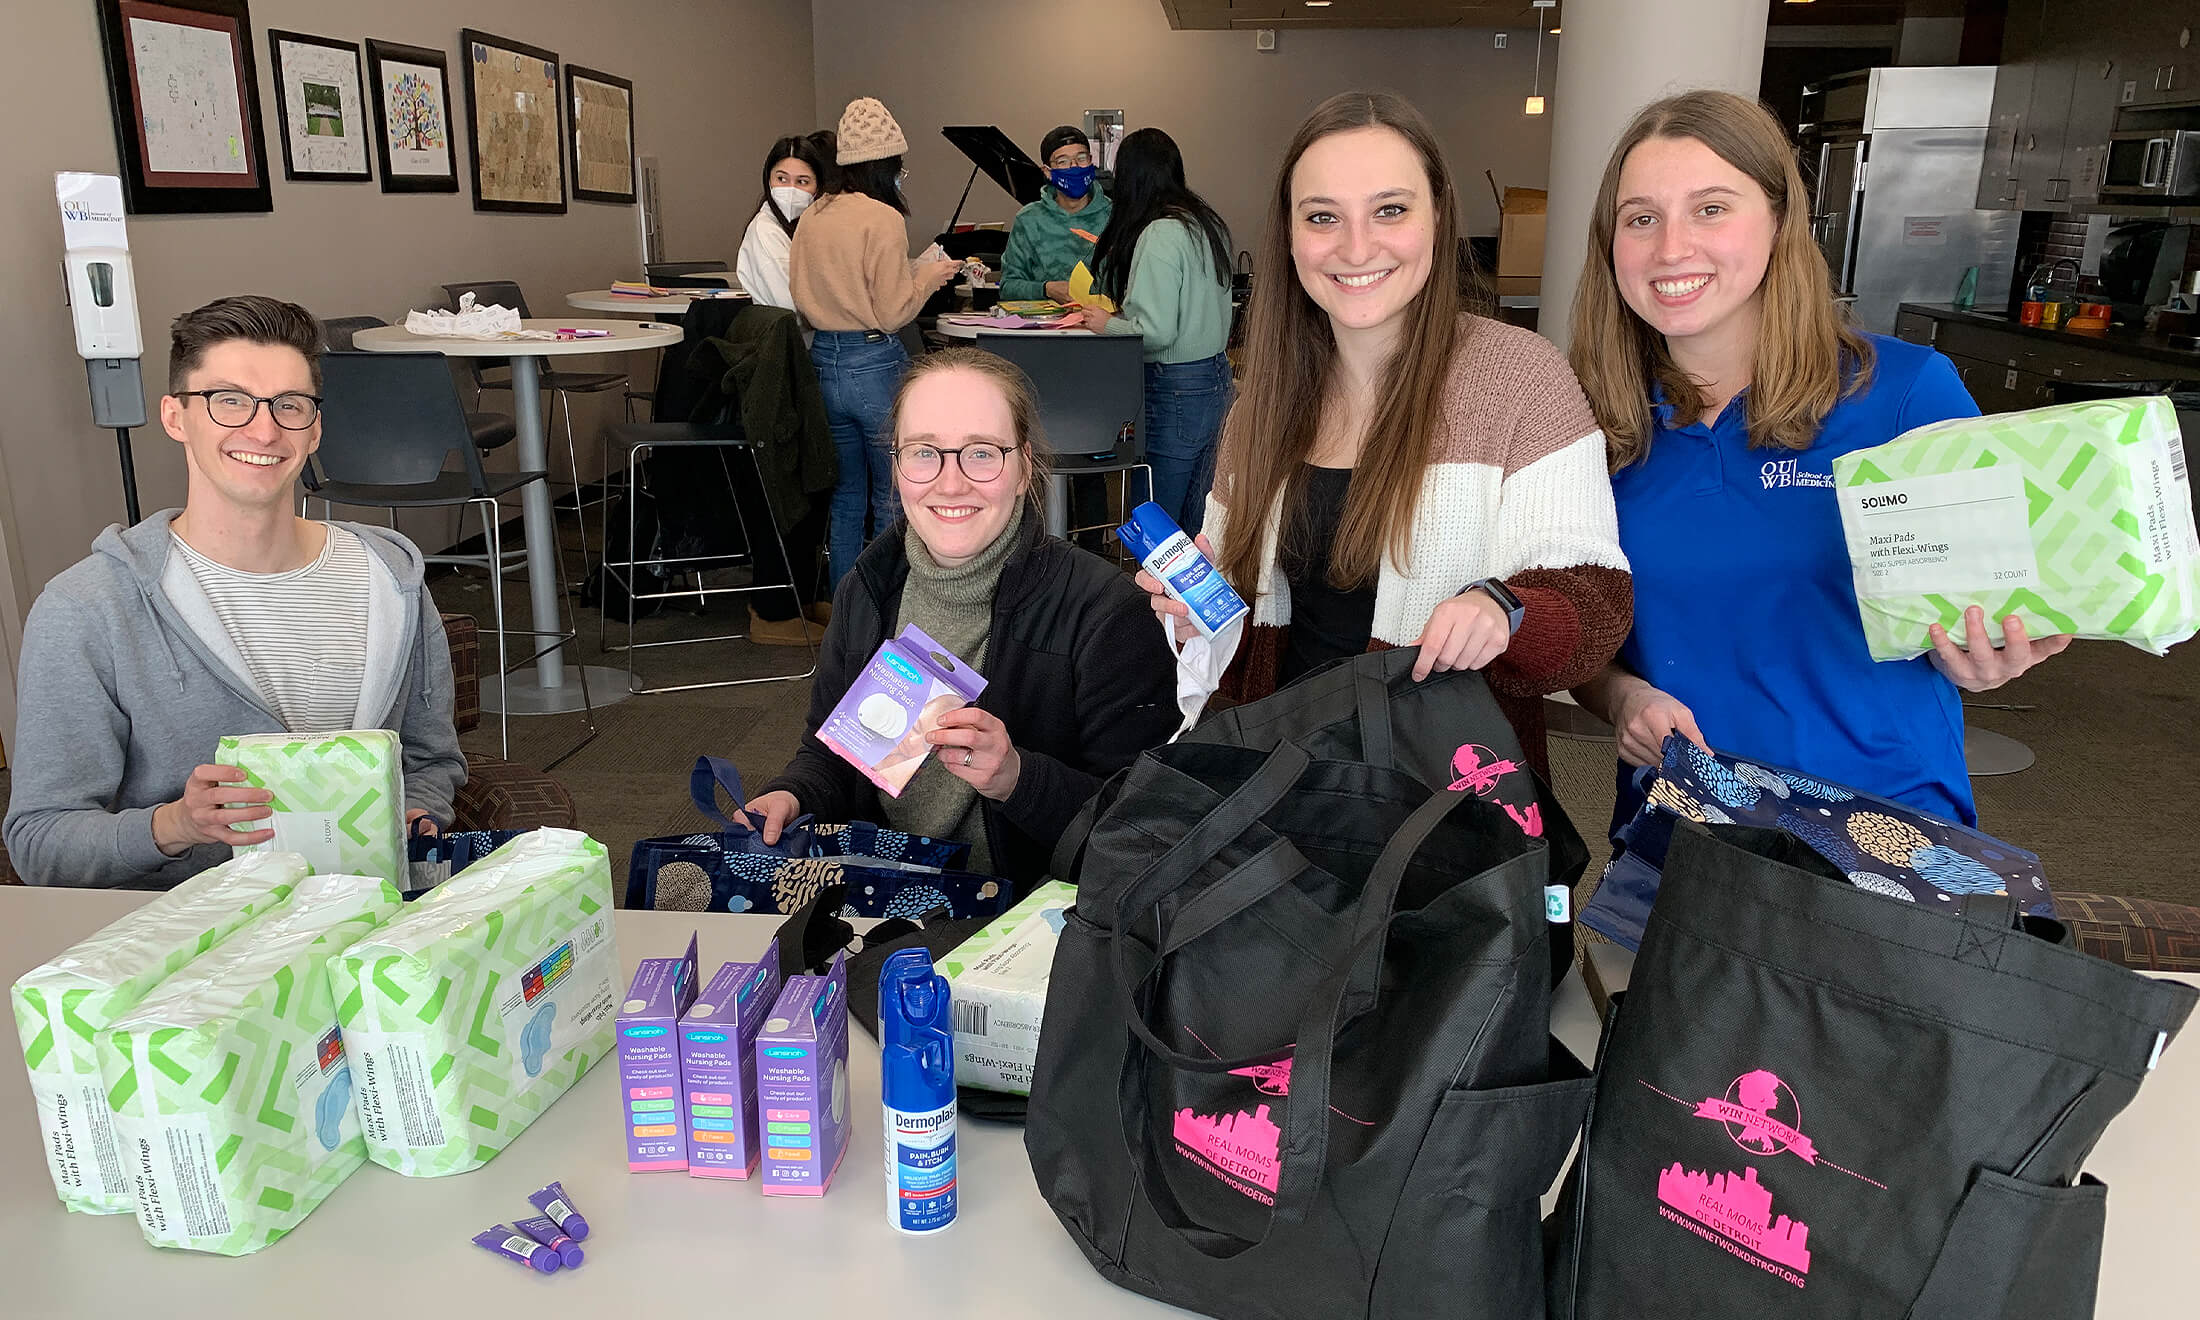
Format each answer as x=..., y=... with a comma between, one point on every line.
x=1761, y=1116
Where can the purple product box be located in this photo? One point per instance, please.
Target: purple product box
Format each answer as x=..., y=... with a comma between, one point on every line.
x=649, y=1062
x=802, y=1083
x=879, y=725
x=718, y=1067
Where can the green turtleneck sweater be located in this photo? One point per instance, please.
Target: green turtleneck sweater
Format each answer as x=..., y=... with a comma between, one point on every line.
x=954, y=605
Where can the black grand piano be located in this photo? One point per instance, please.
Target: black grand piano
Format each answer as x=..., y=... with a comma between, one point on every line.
x=994, y=155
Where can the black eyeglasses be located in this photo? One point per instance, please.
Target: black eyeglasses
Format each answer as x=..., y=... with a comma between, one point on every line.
x=1076, y=162
x=981, y=462
x=235, y=408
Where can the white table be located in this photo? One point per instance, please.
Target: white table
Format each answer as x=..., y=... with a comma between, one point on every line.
x=2150, y=1156
x=955, y=329
x=691, y=1243
x=553, y=691
x=671, y=306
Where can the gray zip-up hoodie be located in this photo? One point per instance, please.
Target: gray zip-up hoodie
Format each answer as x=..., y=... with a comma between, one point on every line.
x=129, y=680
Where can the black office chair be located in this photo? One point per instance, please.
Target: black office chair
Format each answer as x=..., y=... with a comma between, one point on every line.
x=657, y=271
x=1092, y=402
x=561, y=384
x=721, y=280
x=490, y=430
x=389, y=422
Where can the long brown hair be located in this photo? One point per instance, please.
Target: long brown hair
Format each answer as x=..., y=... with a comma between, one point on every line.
x=1015, y=387
x=1808, y=354
x=1290, y=371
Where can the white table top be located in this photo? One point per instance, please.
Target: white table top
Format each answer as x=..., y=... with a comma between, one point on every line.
x=685, y=1243
x=955, y=329
x=671, y=304
x=2149, y=1157
x=625, y=337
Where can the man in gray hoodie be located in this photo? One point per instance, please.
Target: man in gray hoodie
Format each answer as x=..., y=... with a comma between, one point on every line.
x=232, y=615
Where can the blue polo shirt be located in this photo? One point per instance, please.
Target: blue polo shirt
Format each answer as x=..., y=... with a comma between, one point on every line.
x=1745, y=609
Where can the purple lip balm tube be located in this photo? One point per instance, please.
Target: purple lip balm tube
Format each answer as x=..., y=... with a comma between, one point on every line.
x=550, y=1235
x=553, y=1201
x=518, y=1247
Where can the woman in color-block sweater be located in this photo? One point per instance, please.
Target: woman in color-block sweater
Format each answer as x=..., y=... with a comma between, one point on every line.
x=1397, y=472
x=855, y=286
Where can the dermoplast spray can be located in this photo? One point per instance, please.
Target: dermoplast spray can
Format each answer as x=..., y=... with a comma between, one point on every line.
x=1172, y=557
x=917, y=1091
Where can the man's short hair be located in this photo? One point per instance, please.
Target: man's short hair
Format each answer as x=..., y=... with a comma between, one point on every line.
x=251, y=317
x=1060, y=138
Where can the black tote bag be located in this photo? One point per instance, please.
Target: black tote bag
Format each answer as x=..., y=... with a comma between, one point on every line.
x=1815, y=1101
x=1295, y=1061
x=1445, y=730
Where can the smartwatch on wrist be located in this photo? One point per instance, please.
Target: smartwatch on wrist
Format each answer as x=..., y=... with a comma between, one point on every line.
x=1506, y=600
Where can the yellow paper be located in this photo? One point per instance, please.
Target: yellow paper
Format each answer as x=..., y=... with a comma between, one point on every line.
x=1080, y=291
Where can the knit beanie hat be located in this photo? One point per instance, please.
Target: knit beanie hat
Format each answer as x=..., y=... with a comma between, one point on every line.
x=868, y=132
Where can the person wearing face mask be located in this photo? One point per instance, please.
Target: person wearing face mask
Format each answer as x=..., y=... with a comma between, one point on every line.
x=1165, y=262
x=856, y=287
x=793, y=171
x=1078, y=679
x=1396, y=471
x=1726, y=380
x=1049, y=237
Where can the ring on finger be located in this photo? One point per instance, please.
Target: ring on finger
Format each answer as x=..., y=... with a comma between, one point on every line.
x=966, y=758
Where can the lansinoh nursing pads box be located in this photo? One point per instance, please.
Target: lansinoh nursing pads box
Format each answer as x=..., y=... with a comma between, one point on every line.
x=879, y=726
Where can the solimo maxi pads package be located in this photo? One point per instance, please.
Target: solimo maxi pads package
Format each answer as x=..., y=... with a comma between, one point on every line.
x=2077, y=519
x=999, y=977
x=483, y=1003
x=233, y=1105
x=63, y=1005
x=339, y=797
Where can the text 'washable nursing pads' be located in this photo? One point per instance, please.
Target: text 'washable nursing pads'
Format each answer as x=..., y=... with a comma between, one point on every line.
x=484, y=1002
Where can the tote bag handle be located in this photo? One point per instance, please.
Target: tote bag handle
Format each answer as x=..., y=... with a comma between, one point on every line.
x=712, y=773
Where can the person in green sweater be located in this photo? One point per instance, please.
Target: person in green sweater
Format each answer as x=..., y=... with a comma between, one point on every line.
x=1165, y=263
x=1049, y=237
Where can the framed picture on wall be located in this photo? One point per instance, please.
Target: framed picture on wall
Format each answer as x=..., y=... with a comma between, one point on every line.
x=412, y=117
x=321, y=104
x=601, y=108
x=186, y=98
x=513, y=127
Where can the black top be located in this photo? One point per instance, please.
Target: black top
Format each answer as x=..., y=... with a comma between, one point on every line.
x=1326, y=624
x=1076, y=668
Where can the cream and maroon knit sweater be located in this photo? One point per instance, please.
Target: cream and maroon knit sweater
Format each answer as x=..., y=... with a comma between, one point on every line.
x=1516, y=490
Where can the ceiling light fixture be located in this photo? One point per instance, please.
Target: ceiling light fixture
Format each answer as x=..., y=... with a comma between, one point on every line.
x=1543, y=10
x=1317, y=4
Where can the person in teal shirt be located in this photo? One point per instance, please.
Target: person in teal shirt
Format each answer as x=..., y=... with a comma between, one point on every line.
x=1165, y=263
x=1049, y=237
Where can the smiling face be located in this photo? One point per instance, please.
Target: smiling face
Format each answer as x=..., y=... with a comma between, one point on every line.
x=792, y=173
x=955, y=517
x=253, y=466
x=1363, y=227
x=1692, y=240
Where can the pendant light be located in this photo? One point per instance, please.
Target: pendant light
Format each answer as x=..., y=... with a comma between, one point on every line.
x=1542, y=13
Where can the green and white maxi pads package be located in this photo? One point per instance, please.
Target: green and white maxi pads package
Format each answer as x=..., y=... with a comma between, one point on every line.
x=2077, y=519
x=62, y=1006
x=999, y=980
x=339, y=797
x=233, y=1107
x=470, y=1014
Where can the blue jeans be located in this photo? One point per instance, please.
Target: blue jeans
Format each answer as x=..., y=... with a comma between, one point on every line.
x=858, y=372
x=1185, y=404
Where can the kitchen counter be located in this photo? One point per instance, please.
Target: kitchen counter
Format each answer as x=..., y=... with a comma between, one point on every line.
x=2182, y=362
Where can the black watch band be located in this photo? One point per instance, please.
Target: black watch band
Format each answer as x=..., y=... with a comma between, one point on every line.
x=1506, y=600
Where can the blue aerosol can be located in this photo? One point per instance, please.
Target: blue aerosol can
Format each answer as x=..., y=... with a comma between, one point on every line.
x=917, y=1092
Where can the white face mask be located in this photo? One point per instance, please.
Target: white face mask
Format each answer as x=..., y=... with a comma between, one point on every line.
x=791, y=201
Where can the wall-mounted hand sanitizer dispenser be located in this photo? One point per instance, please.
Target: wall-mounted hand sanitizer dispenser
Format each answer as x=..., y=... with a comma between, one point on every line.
x=102, y=292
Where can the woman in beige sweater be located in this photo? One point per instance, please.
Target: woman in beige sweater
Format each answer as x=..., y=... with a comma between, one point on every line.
x=855, y=285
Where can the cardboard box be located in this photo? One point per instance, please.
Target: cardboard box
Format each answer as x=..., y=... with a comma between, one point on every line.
x=1520, y=231
x=999, y=977
x=649, y=1062
x=802, y=1083
x=718, y=1067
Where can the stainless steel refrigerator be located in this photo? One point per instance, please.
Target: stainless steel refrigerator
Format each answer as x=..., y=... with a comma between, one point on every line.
x=1892, y=157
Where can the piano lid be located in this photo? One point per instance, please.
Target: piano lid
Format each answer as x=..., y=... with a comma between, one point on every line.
x=1003, y=161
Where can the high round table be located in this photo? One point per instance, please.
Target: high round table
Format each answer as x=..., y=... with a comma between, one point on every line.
x=954, y=329
x=671, y=306
x=691, y=1244
x=553, y=691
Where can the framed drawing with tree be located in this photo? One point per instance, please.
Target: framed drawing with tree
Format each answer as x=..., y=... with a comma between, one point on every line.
x=186, y=98
x=513, y=129
x=601, y=107
x=412, y=117
x=321, y=106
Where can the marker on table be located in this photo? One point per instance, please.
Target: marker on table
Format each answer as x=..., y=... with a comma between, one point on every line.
x=569, y=332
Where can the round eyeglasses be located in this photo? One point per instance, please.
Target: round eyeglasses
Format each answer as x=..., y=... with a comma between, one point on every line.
x=235, y=408
x=926, y=462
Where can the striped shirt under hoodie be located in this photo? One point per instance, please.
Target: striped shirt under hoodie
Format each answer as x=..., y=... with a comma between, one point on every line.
x=1517, y=489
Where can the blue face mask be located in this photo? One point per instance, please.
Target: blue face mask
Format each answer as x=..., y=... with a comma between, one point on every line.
x=1073, y=184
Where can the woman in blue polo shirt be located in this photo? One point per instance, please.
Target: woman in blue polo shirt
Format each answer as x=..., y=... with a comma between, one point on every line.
x=1726, y=380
